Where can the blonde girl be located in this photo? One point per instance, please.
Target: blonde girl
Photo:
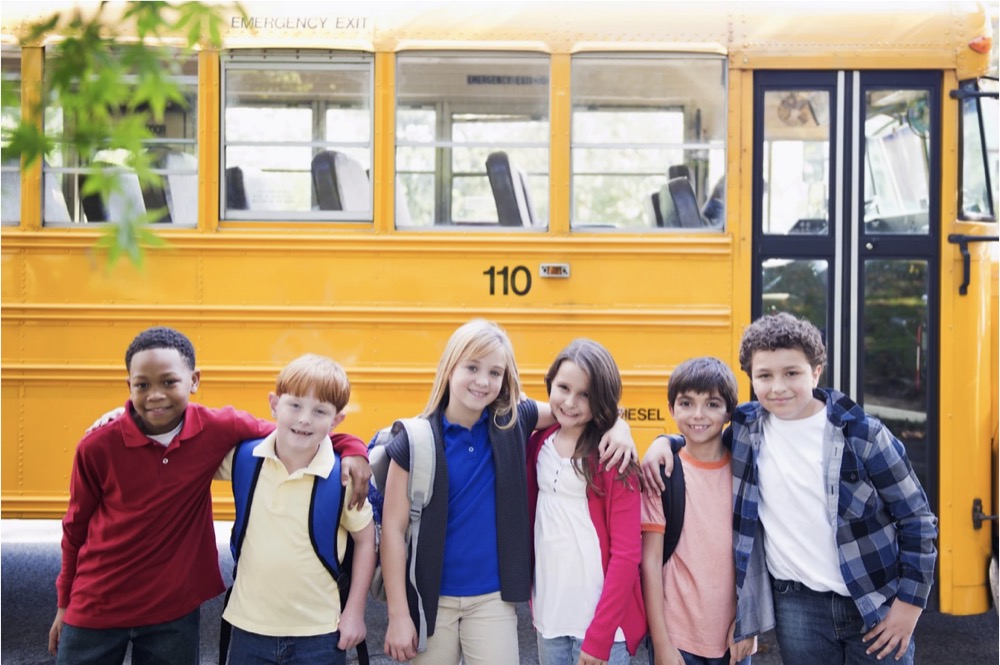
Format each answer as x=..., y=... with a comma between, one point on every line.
x=587, y=597
x=473, y=557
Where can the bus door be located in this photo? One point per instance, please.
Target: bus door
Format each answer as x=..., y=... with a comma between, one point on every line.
x=846, y=229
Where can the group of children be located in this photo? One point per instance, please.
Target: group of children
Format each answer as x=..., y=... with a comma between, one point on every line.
x=802, y=514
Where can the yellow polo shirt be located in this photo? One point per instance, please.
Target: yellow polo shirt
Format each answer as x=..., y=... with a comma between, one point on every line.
x=282, y=588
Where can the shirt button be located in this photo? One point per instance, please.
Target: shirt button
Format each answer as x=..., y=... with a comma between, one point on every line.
x=166, y=461
x=471, y=449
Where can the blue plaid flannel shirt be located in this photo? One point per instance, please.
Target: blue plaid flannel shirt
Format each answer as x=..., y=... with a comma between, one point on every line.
x=884, y=526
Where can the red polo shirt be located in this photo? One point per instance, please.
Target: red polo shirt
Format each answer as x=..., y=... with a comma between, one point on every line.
x=138, y=540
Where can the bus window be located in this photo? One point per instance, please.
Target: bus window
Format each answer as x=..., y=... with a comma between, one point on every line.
x=979, y=152
x=10, y=197
x=796, y=162
x=297, y=136
x=648, y=142
x=897, y=161
x=173, y=150
x=472, y=140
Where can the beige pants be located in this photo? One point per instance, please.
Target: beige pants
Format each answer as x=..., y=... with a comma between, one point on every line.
x=478, y=630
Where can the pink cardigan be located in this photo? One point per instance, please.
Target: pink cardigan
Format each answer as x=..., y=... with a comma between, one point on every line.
x=616, y=517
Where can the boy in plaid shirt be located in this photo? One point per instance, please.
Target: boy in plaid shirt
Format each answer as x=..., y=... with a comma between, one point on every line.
x=833, y=535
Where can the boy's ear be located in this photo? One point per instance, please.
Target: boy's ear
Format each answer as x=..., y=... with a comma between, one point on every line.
x=817, y=372
x=337, y=419
x=272, y=402
x=195, y=380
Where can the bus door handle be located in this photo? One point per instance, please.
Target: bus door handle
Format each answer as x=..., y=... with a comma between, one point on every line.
x=963, y=241
x=978, y=516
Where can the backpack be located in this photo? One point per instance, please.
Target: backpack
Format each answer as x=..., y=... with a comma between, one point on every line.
x=326, y=505
x=673, y=499
x=423, y=456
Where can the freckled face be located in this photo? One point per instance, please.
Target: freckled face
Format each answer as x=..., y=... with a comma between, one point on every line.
x=303, y=421
x=160, y=384
x=783, y=381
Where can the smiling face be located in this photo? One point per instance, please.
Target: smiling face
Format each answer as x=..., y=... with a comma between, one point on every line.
x=783, y=381
x=474, y=384
x=160, y=383
x=700, y=417
x=569, y=397
x=303, y=422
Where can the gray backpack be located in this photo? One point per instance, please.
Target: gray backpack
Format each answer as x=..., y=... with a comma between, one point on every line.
x=419, y=489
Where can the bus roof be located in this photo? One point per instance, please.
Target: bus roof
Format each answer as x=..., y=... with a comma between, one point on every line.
x=754, y=35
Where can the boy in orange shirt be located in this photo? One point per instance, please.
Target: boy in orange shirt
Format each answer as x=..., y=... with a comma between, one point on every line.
x=691, y=598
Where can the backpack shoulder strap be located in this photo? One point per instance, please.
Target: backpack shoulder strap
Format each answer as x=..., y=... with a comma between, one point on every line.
x=245, y=472
x=423, y=458
x=420, y=486
x=326, y=505
x=673, y=506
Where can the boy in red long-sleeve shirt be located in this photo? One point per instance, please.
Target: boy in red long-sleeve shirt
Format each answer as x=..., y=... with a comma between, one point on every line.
x=139, y=553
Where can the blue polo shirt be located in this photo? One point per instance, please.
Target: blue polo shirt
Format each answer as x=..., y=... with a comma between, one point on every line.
x=471, y=563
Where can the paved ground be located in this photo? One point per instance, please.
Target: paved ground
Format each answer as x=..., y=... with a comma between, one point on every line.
x=30, y=562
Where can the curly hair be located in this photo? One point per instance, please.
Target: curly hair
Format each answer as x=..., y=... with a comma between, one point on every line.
x=782, y=331
x=161, y=338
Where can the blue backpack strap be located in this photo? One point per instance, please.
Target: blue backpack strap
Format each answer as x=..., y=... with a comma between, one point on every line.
x=325, y=508
x=245, y=472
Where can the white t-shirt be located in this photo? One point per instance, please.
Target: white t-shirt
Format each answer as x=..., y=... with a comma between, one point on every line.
x=799, y=535
x=569, y=577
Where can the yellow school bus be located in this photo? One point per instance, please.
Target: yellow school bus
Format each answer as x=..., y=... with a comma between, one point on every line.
x=358, y=179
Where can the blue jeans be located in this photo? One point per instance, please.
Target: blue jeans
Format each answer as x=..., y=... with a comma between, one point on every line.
x=566, y=651
x=252, y=649
x=170, y=643
x=822, y=628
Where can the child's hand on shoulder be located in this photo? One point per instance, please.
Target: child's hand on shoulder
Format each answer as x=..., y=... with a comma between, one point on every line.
x=106, y=418
x=893, y=633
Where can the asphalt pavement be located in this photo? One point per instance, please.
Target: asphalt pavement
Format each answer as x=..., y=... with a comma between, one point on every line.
x=30, y=562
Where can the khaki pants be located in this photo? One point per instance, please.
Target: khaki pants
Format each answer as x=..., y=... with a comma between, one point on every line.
x=479, y=630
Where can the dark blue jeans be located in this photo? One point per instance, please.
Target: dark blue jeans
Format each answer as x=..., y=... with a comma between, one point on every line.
x=171, y=643
x=822, y=628
x=252, y=649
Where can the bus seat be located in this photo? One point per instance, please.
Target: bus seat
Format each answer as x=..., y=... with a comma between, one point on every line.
x=714, y=210
x=123, y=202
x=155, y=198
x=664, y=209
x=182, y=188
x=510, y=191
x=678, y=171
x=685, y=202
x=340, y=182
x=236, y=196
